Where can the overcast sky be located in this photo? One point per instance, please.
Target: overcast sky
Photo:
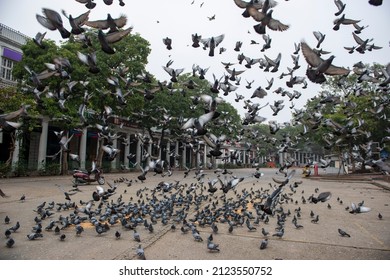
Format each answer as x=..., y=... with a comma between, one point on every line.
x=179, y=19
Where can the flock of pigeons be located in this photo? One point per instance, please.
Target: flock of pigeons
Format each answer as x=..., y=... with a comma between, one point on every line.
x=180, y=200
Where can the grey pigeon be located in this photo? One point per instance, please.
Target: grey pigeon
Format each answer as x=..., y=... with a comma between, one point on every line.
x=263, y=244
x=2, y=194
x=136, y=236
x=266, y=20
x=140, y=252
x=343, y=233
x=342, y=20
x=320, y=38
x=318, y=66
x=106, y=40
x=110, y=23
x=168, y=43
x=212, y=43
x=77, y=22
x=10, y=242
x=38, y=39
x=88, y=3
x=53, y=21
x=256, y=4
x=322, y=197
x=340, y=7
x=212, y=246
x=375, y=2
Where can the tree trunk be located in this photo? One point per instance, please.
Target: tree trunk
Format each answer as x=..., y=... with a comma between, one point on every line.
x=99, y=156
x=64, y=163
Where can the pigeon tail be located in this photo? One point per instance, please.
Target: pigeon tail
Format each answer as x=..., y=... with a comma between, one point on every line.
x=259, y=28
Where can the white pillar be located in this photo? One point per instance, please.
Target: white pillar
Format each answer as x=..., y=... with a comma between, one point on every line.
x=15, y=155
x=138, y=154
x=83, y=148
x=127, y=150
x=176, y=153
x=114, y=161
x=43, y=143
x=205, y=151
x=184, y=155
x=167, y=151
x=149, y=152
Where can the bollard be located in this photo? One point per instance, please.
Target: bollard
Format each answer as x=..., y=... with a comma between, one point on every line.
x=316, y=170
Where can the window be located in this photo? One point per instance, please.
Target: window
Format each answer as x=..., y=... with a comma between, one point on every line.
x=6, y=69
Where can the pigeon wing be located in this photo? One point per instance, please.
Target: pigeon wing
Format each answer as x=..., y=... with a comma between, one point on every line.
x=335, y=70
x=45, y=22
x=276, y=25
x=206, y=117
x=219, y=39
x=118, y=35
x=256, y=14
x=310, y=56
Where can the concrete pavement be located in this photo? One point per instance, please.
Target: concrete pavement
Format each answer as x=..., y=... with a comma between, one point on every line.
x=369, y=239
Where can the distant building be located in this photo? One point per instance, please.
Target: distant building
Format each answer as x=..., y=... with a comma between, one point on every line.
x=11, y=42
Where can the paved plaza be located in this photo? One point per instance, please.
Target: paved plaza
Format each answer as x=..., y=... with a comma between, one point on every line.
x=369, y=235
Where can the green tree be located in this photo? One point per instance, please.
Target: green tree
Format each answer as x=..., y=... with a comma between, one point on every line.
x=349, y=114
x=73, y=85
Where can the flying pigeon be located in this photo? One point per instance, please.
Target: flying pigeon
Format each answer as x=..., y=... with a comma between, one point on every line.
x=53, y=21
x=340, y=7
x=77, y=22
x=319, y=67
x=168, y=43
x=342, y=20
x=266, y=20
x=110, y=23
x=320, y=38
x=89, y=4
x=212, y=43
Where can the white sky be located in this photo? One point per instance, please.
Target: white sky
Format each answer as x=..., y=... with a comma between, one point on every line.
x=179, y=19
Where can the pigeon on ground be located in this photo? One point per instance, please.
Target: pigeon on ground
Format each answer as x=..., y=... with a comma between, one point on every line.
x=263, y=244
x=140, y=252
x=136, y=236
x=10, y=242
x=2, y=194
x=33, y=236
x=212, y=246
x=343, y=233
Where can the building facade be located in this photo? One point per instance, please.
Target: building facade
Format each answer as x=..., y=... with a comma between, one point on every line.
x=11, y=42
